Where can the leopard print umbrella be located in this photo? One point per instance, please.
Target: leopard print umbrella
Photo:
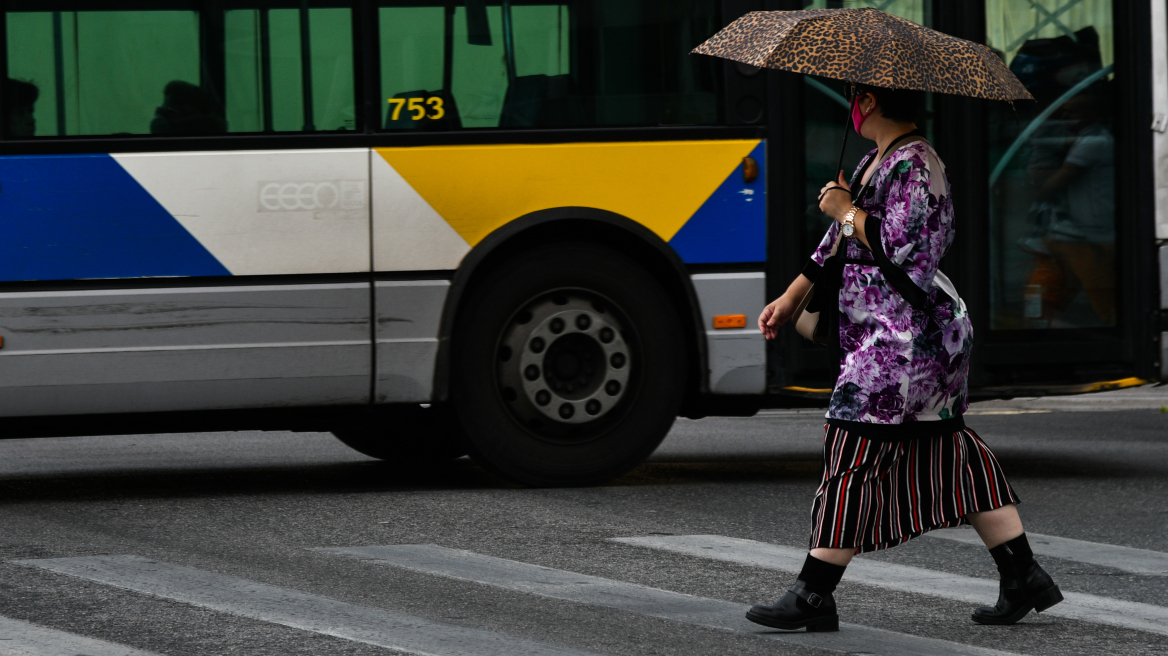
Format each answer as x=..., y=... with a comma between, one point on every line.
x=866, y=46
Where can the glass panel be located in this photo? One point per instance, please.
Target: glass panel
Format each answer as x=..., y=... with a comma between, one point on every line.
x=826, y=117
x=412, y=41
x=511, y=65
x=141, y=72
x=265, y=76
x=106, y=72
x=1052, y=214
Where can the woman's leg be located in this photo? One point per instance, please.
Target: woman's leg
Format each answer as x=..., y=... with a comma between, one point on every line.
x=994, y=527
x=839, y=557
x=809, y=603
x=1025, y=585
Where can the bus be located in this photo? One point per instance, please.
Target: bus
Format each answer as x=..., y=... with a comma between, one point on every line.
x=532, y=231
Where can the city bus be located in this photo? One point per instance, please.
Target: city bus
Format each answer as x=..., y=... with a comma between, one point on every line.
x=531, y=231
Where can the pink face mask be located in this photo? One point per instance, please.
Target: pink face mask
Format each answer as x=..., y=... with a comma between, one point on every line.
x=858, y=117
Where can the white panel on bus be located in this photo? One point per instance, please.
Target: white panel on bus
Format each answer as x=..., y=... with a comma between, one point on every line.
x=266, y=212
x=408, y=234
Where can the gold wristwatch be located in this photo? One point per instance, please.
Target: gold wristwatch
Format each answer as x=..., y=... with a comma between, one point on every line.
x=849, y=224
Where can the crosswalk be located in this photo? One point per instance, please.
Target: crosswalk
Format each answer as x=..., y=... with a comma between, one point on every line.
x=20, y=638
x=295, y=609
x=412, y=634
x=592, y=590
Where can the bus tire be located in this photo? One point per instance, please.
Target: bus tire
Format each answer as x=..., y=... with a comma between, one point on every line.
x=569, y=366
x=406, y=436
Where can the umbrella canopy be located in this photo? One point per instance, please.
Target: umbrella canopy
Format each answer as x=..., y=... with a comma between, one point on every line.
x=866, y=46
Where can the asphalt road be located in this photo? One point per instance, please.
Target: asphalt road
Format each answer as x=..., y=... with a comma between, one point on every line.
x=218, y=544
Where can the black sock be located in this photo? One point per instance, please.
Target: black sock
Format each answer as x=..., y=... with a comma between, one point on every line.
x=820, y=576
x=1013, y=556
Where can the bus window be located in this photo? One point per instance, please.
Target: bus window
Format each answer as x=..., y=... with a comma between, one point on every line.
x=266, y=81
x=483, y=64
x=412, y=42
x=109, y=72
x=149, y=72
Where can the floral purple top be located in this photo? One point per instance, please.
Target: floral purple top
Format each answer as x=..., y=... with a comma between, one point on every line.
x=898, y=363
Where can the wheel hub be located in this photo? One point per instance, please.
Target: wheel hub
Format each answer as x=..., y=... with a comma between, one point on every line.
x=563, y=360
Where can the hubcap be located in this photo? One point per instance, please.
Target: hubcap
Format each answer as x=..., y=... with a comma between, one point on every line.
x=563, y=361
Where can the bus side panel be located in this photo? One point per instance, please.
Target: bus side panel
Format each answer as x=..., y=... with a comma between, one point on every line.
x=737, y=356
x=260, y=213
x=128, y=348
x=108, y=351
x=408, y=314
x=432, y=204
x=1163, y=312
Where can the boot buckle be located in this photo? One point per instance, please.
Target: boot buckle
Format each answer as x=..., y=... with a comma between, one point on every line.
x=803, y=593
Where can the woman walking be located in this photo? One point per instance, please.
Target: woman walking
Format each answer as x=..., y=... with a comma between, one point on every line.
x=898, y=458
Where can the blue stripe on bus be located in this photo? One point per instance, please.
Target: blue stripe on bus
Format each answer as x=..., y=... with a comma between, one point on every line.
x=731, y=225
x=83, y=216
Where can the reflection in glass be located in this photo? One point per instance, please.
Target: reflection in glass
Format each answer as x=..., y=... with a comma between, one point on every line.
x=1052, y=181
x=826, y=113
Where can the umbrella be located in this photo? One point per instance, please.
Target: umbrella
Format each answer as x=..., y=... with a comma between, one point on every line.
x=866, y=46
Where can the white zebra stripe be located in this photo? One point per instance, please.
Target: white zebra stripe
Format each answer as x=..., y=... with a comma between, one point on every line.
x=20, y=638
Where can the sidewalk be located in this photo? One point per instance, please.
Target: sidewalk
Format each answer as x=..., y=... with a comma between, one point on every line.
x=1144, y=397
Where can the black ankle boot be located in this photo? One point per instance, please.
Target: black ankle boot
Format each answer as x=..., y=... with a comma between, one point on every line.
x=808, y=603
x=1024, y=587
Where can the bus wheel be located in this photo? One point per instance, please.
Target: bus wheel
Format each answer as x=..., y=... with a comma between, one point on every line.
x=569, y=366
x=405, y=436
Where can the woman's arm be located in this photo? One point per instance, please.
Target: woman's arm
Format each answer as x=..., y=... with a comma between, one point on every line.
x=779, y=311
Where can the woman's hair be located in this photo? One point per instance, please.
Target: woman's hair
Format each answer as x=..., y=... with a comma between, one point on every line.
x=904, y=105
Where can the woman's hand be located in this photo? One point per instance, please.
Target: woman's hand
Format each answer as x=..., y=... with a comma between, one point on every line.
x=779, y=311
x=836, y=203
x=774, y=315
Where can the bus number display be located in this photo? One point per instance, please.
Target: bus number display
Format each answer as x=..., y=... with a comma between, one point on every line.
x=417, y=108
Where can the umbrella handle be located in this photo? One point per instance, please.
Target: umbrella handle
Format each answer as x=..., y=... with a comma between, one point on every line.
x=839, y=167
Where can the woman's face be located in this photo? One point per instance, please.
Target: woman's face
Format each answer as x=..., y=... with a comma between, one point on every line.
x=866, y=104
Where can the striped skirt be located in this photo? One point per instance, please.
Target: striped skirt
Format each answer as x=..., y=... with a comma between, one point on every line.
x=876, y=495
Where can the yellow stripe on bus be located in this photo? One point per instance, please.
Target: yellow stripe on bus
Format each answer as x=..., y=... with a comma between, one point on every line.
x=658, y=184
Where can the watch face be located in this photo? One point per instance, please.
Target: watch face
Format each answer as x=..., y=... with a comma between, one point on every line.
x=848, y=229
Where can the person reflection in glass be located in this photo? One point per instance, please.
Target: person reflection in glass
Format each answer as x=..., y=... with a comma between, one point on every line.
x=1080, y=235
x=20, y=98
x=188, y=110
